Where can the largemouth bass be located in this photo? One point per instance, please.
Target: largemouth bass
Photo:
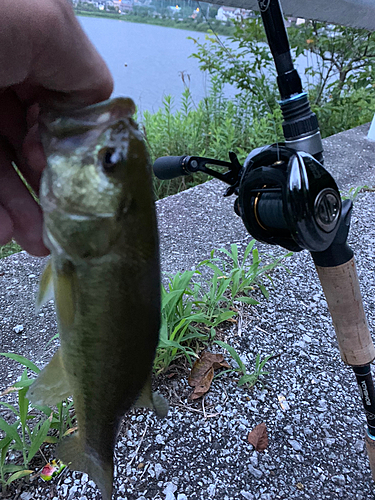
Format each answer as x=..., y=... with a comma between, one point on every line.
x=100, y=226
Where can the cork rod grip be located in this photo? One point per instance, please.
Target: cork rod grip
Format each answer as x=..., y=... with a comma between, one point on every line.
x=341, y=288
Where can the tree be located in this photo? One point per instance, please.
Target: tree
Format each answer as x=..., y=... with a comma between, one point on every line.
x=344, y=58
x=244, y=61
x=342, y=76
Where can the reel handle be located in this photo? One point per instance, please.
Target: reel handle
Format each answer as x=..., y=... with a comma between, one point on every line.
x=169, y=167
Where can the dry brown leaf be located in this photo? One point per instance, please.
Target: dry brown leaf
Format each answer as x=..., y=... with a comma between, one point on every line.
x=258, y=437
x=204, y=384
x=202, y=373
x=8, y=390
x=232, y=320
x=206, y=361
x=70, y=431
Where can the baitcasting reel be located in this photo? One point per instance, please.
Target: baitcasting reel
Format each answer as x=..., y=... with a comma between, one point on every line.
x=285, y=197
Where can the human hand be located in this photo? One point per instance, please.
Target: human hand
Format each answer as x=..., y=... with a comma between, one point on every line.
x=46, y=60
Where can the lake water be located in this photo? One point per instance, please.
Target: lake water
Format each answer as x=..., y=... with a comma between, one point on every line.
x=147, y=61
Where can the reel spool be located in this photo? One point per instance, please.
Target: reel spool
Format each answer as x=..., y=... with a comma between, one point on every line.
x=288, y=198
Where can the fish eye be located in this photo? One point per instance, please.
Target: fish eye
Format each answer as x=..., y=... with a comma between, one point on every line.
x=109, y=157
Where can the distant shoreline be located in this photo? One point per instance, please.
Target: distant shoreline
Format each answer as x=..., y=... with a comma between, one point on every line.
x=167, y=23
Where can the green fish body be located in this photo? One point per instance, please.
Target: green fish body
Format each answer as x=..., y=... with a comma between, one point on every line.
x=100, y=226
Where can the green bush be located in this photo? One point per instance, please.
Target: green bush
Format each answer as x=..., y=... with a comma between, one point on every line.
x=211, y=128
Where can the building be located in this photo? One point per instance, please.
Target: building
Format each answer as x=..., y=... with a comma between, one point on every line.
x=123, y=6
x=232, y=13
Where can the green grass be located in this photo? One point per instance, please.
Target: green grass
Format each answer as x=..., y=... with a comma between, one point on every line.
x=248, y=379
x=88, y=13
x=209, y=128
x=9, y=249
x=186, y=24
x=25, y=437
x=196, y=303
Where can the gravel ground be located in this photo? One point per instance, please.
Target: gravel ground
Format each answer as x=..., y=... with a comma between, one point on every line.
x=200, y=451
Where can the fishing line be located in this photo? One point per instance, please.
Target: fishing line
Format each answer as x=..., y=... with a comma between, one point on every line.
x=239, y=67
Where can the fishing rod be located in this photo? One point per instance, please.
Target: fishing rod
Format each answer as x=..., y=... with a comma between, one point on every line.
x=286, y=197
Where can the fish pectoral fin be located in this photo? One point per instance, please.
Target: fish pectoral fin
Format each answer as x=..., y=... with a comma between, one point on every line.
x=153, y=400
x=160, y=405
x=65, y=294
x=45, y=292
x=72, y=452
x=52, y=385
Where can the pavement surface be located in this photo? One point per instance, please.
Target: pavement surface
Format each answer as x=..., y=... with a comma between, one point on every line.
x=201, y=451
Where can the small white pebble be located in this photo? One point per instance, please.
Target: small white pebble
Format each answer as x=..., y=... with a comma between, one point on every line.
x=159, y=439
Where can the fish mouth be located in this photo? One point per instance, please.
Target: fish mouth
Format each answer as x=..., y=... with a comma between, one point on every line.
x=58, y=125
